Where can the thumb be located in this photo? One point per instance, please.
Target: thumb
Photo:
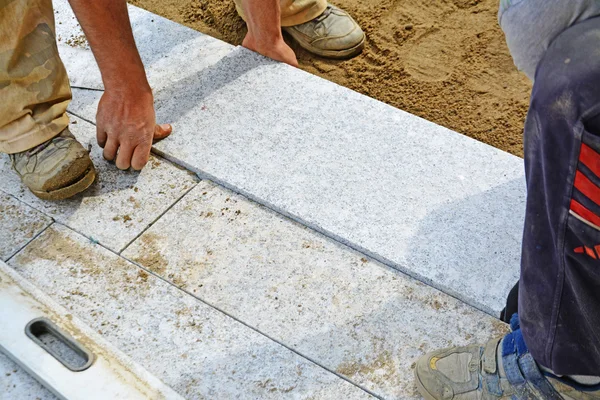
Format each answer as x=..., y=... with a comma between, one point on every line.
x=162, y=131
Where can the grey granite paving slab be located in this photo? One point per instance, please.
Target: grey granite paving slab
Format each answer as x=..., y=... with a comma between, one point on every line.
x=355, y=316
x=198, y=351
x=16, y=384
x=85, y=104
x=119, y=205
x=433, y=203
x=439, y=206
x=19, y=224
x=170, y=51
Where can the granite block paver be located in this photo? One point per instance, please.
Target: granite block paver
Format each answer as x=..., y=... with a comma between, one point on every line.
x=16, y=384
x=85, y=104
x=119, y=205
x=437, y=205
x=19, y=224
x=433, y=203
x=198, y=351
x=357, y=317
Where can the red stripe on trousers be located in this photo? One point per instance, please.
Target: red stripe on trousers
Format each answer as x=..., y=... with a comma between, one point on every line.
x=585, y=213
x=590, y=158
x=590, y=253
x=587, y=187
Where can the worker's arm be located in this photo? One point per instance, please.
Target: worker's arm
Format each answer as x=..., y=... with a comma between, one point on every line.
x=264, y=31
x=125, y=122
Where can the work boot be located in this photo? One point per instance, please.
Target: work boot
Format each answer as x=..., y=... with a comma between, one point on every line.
x=333, y=34
x=57, y=169
x=500, y=369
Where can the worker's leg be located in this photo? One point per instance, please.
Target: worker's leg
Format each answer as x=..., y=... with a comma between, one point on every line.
x=34, y=93
x=559, y=295
x=531, y=25
x=34, y=87
x=294, y=12
x=557, y=330
x=319, y=27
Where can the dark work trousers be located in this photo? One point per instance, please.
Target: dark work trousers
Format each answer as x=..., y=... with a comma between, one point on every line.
x=559, y=293
x=512, y=304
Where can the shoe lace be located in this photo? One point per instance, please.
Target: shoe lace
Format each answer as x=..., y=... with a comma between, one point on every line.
x=56, y=141
x=37, y=149
x=325, y=14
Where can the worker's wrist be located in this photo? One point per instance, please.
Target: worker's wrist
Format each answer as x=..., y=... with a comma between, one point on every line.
x=125, y=76
x=271, y=35
x=127, y=83
x=131, y=92
x=263, y=41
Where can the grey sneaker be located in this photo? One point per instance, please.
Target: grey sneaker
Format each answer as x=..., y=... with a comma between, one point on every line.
x=501, y=369
x=333, y=34
x=461, y=373
x=57, y=169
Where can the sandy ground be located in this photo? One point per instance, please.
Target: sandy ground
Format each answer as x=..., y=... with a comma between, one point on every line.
x=443, y=60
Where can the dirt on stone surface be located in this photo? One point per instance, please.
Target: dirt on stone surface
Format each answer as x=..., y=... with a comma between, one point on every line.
x=445, y=61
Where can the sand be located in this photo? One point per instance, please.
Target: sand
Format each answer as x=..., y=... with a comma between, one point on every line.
x=445, y=61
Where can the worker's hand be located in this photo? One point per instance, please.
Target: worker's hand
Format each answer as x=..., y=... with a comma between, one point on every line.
x=126, y=126
x=275, y=48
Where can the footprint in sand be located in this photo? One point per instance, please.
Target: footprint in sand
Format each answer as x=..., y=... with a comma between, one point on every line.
x=434, y=57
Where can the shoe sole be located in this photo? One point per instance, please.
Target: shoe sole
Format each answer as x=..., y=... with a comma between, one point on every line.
x=333, y=54
x=69, y=191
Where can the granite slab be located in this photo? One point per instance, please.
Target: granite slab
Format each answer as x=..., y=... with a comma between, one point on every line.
x=428, y=201
x=351, y=314
x=439, y=206
x=19, y=224
x=193, y=348
x=119, y=205
x=85, y=104
x=432, y=203
x=15, y=383
x=170, y=51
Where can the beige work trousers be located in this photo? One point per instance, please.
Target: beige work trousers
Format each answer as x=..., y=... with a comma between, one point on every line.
x=34, y=87
x=293, y=12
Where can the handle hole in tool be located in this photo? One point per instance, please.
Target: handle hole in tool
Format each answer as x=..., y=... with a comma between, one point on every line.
x=60, y=345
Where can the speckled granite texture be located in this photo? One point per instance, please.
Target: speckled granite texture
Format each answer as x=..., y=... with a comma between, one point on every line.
x=355, y=316
x=19, y=224
x=437, y=205
x=198, y=351
x=119, y=205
